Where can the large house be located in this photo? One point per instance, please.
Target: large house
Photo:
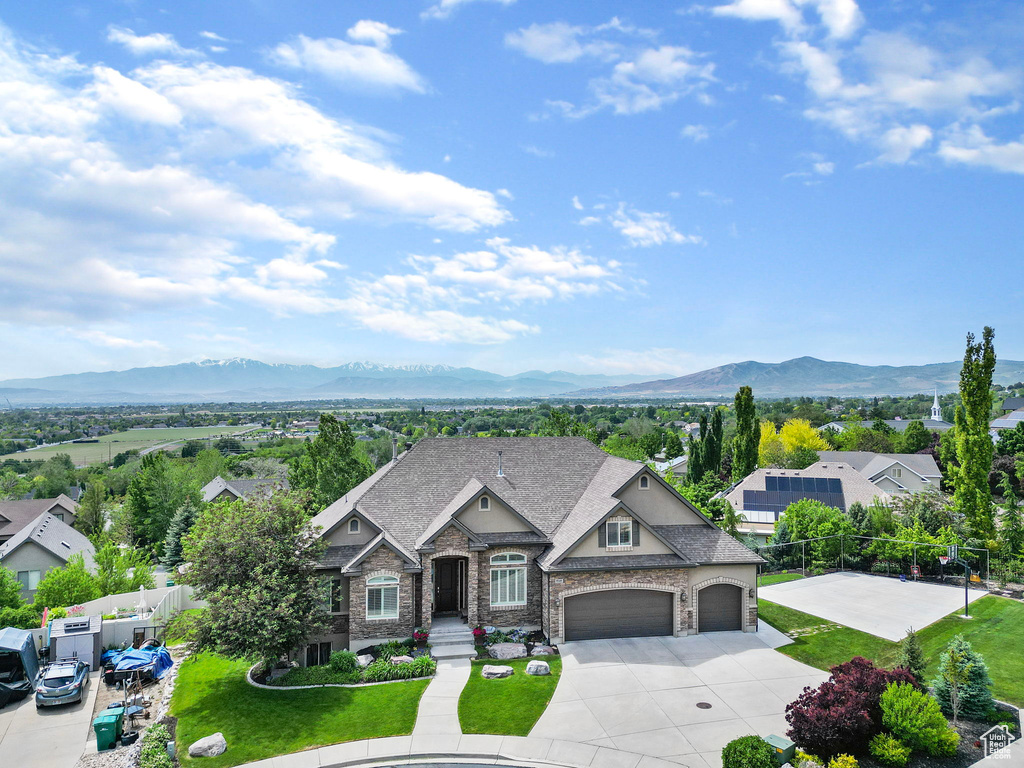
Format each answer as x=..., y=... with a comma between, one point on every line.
x=763, y=495
x=892, y=472
x=547, y=533
x=45, y=543
x=16, y=515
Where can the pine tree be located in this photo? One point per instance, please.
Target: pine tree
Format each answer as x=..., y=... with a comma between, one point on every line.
x=713, y=447
x=181, y=524
x=695, y=460
x=911, y=656
x=744, y=459
x=1011, y=532
x=963, y=681
x=972, y=496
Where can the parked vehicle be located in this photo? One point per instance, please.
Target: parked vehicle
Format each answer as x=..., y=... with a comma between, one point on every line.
x=62, y=682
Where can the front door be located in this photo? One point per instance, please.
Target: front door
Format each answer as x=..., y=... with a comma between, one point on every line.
x=446, y=592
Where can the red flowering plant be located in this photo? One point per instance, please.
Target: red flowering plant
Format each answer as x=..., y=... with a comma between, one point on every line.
x=479, y=633
x=420, y=635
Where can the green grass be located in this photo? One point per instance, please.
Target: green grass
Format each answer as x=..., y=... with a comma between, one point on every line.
x=996, y=632
x=212, y=695
x=509, y=706
x=108, y=446
x=777, y=578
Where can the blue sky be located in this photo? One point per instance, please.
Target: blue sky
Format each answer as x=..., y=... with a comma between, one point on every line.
x=507, y=184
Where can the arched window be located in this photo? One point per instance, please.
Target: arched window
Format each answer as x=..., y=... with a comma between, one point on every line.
x=382, y=597
x=645, y=482
x=353, y=525
x=508, y=558
x=485, y=503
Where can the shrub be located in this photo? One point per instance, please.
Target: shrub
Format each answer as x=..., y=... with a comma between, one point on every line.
x=889, y=750
x=748, y=752
x=392, y=648
x=843, y=713
x=153, y=752
x=343, y=661
x=383, y=670
x=318, y=675
x=911, y=656
x=975, y=692
x=843, y=761
x=914, y=717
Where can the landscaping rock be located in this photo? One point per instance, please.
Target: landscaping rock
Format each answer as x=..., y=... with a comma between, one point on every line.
x=493, y=671
x=365, y=660
x=508, y=651
x=543, y=650
x=538, y=667
x=210, y=746
x=401, y=659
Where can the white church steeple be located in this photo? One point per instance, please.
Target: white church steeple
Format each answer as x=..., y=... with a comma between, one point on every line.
x=936, y=410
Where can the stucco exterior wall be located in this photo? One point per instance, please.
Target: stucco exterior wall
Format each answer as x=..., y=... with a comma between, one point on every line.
x=657, y=505
x=31, y=557
x=340, y=536
x=497, y=519
x=649, y=545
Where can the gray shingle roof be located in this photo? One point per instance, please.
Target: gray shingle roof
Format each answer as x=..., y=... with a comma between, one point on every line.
x=52, y=535
x=619, y=562
x=16, y=514
x=870, y=464
x=1013, y=403
x=856, y=487
x=512, y=537
x=243, y=488
x=337, y=511
x=706, y=545
x=339, y=557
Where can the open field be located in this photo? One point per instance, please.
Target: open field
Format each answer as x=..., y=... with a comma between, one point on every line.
x=108, y=446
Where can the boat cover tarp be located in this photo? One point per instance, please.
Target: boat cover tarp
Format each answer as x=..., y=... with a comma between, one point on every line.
x=140, y=658
x=19, y=664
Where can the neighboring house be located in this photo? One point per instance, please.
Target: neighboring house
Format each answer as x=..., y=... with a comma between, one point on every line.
x=1012, y=404
x=220, y=489
x=676, y=466
x=45, y=543
x=15, y=515
x=764, y=494
x=1006, y=421
x=892, y=472
x=933, y=424
x=547, y=533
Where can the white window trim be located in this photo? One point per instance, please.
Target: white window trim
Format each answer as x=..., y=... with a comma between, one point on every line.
x=619, y=522
x=391, y=583
x=495, y=559
x=644, y=483
x=496, y=582
x=485, y=503
x=897, y=471
x=350, y=528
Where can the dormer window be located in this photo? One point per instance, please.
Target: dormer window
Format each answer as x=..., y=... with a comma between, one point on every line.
x=353, y=525
x=644, y=482
x=619, y=534
x=485, y=503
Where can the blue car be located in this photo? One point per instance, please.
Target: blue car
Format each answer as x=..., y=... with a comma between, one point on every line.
x=63, y=682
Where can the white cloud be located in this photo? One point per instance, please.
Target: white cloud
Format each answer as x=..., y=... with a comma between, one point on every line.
x=530, y=149
x=841, y=17
x=643, y=77
x=973, y=147
x=576, y=203
x=104, y=339
x=588, y=221
x=352, y=65
x=824, y=168
x=655, y=360
x=696, y=133
x=444, y=8
x=156, y=44
x=901, y=142
x=644, y=229
x=213, y=36
x=131, y=98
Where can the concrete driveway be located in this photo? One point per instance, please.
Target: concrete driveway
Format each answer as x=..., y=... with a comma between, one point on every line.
x=648, y=695
x=54, y=737
x=878, y=605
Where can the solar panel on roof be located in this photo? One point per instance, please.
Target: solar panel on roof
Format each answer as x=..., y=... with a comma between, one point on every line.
x=780, y=492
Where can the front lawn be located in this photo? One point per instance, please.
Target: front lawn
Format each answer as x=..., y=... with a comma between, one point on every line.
x=777, y=578
x=996, y=632
x=509, y=706
x=211, y=695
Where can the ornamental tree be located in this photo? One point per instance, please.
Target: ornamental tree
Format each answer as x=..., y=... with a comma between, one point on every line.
x=972, y=495
x=744, y=456
x=962, y=685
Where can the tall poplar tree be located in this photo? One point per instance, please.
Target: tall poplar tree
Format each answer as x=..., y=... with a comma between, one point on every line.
x=748, y=434
x=972, y=496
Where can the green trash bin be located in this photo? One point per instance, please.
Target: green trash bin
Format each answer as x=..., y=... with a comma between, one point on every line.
x=108, y=725
x=170, y=582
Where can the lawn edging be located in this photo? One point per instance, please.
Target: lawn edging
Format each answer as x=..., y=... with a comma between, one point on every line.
x=254, y=684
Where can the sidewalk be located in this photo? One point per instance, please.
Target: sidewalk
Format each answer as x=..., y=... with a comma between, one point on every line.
x=439, y=706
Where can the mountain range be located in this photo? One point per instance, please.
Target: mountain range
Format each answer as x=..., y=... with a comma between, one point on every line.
x=242, y=380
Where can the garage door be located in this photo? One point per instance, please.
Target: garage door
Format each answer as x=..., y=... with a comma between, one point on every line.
x=719, y=608
x=618, y=613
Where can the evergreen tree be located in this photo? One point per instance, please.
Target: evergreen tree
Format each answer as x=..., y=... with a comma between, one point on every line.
x=673, y=446
x=713, y=444
x=963, y=680
x=860, y=518
x=90, y=516
x=915, y=437
x=695, y=462
x=331, y=466
x=744, y=459
x=154, y=494
x=972, y=496
x=181, y=524
x=1011, y=531
x=911, y=656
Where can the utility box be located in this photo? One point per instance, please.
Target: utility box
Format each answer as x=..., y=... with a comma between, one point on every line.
x=785, y=750
x=109, y=725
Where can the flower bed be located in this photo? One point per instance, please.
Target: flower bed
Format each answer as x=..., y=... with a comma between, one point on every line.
x=343, y=669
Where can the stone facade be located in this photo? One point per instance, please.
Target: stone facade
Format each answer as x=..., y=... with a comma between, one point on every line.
x=451, y=543
x=529, y=615
x=565, y=584
x=382, y=562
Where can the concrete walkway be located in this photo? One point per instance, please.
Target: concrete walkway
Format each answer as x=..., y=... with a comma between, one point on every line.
x=881, y=606
x=54, y=737
x=439, y=706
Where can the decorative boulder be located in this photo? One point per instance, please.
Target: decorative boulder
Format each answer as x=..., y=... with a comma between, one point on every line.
x=210, y=746
x=365, y=660
x=542, y=650
x=493, y=671
x=538, y=667
x=401, y=659
x=508, y=651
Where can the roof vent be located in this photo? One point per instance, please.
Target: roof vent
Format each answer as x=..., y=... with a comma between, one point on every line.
x=76, y=626
x=65, y=544
x=500, y=472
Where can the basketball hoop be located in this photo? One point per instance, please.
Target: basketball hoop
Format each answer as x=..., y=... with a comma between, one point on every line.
x=943, y=559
